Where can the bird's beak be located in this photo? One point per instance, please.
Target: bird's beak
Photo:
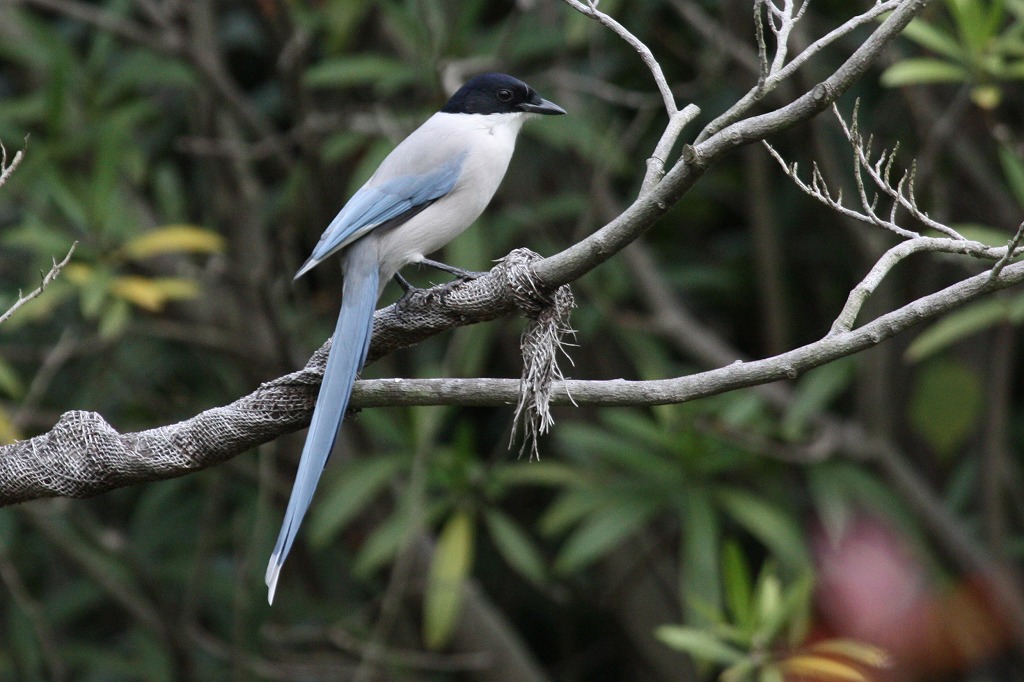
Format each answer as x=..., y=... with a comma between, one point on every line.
x=539, y=105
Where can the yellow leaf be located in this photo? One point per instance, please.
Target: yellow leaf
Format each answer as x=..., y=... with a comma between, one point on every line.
x=174, y=239
x=820, y=668
x=153, y=294
x=859, y=652
x=987, y=96
x=8, y=432
x=78, y=273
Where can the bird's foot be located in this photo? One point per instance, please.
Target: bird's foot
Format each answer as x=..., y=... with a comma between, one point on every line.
x=408, y=291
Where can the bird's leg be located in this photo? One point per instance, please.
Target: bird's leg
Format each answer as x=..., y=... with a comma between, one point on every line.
x=408, y=290
x=451, y=269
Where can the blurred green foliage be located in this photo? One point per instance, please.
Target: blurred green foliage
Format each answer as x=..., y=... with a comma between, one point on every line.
x=197, y=166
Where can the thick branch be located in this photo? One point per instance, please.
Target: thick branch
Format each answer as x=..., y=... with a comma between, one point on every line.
x=84, y=456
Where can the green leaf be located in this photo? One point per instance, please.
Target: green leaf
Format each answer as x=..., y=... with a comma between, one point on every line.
x=355, y=485
x=923, y=71
x=382, y=544
x=515, y=546
x=603, y=530
x=945, y=421
x=10, y=382
x=768, y=597
x=929, y=36
x=385, y=74
x=815, y=391
x=8, y=431
x=831, y=500
x=969, y=320
x=699, y=644
x=453, y=556
x=550, y=474
x=1012, y=71
x=739, y=672
x=569, y=508
x=736, y=579
x=699, y=563
x=797, y=602
x=860, y=485
x=769, y=524
x=1013, y=171
x=114, y=319
x=986, y=234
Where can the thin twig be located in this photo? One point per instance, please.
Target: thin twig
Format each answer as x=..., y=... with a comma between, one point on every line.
x=1011, y=251
x=818, y=189
x=590, y=9
x=47, y=278
x=879, y=172
x=860, y=293
x=585, y=255
x=656, y=163
x=5, y=170
x=767, y=81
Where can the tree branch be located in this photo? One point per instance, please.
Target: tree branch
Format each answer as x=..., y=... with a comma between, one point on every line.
x=589, y=8
x=84, y=456
x=582, y=257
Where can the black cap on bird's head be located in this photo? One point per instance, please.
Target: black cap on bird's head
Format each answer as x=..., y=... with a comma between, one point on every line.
x=496, y=93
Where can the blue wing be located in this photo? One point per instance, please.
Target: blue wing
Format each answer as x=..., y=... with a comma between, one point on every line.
x=378, y=202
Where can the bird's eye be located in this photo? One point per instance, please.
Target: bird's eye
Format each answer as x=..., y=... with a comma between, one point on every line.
x=504, y=95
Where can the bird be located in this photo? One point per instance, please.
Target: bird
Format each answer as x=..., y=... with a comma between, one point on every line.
x=430, y=188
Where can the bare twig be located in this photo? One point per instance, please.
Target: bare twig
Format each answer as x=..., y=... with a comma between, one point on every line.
x=770, y=77
x=656, y=163
x=5, y=170
x=1011, y=251
x=582, y=257
x=47, y=278
x=901, y=196
x=589, y=8
x=844, y=322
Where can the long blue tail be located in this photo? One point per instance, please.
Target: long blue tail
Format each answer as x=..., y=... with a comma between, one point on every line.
x=348, y=353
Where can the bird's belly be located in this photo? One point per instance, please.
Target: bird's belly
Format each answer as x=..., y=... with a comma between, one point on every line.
x=426, y=232
x=435, y=226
